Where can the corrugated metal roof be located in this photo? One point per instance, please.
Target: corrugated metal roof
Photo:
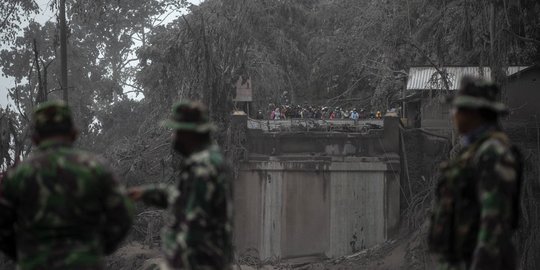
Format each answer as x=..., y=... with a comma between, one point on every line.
x=513, y=70
x=520, y=72
x=427, y=78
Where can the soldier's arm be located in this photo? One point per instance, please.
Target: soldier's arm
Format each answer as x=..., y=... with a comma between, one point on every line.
x=497, y=190
x=118, y=211
x=7, y=219
x=157, y=195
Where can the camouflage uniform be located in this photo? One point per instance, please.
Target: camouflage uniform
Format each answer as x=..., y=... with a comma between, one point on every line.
x=477, y=198
x=200, y=201
x=61, y=208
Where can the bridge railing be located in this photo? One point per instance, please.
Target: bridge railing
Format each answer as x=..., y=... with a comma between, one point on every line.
x=344, y=125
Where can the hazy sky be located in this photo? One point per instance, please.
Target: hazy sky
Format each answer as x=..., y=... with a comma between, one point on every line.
x=44, y=15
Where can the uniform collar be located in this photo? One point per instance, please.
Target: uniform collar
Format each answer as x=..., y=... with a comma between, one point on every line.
x=477, y=134
x=201, y=155
x=54, y=143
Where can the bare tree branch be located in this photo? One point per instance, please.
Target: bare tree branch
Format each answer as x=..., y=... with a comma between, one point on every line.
x=526, y=39
x=443, y=75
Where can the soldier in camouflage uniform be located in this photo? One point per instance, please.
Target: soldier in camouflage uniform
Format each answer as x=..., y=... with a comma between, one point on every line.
x=62, y=208
x=200, y=201
x=477, y=198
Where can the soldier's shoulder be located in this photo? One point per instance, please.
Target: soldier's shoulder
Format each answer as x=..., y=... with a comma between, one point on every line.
x=209, y=157
x=88, y=160
x=495, y=147
x=22, y=169
x=27, y=166
x=206, y=163
x=216, y=157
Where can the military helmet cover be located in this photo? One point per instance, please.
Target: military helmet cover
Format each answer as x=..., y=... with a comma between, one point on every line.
x=477, y=93
x=190, y=116
x=52, y=117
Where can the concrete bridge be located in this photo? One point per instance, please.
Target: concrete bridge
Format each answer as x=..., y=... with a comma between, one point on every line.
x=317, y=193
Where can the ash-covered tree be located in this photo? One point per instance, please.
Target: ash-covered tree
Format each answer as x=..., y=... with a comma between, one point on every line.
x=28, y=61
x=12, y=14
x=201, y=55
x=103, y=37
x=118, y=29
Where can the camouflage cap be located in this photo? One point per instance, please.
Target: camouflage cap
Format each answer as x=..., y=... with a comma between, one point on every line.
x=51, y=118
x=190, y=116
x=477, y=93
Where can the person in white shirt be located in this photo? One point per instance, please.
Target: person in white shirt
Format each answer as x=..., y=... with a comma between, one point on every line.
x=354, y=115
x=277, y=114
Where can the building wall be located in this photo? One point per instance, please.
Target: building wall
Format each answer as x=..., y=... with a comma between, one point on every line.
x=523, y=95
x=413, y=114
x=315, y=207
x=435, y=116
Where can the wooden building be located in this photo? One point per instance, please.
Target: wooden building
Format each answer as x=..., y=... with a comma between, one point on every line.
x=426, y=92
x=522, y=94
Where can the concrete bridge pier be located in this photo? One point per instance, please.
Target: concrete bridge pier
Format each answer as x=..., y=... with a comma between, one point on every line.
x=299, y=204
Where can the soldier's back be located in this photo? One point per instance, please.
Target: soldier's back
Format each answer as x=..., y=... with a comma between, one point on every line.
x=203, y=213
x=477, y=205
x=63, y=199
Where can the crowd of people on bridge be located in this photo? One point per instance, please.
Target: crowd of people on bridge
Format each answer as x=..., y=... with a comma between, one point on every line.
x=284, y=112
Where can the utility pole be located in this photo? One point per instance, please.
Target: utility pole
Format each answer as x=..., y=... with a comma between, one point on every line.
x=63, y=51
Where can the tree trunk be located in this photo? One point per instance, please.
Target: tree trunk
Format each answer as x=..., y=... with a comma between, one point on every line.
x=63, y=51
x=41, y=94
